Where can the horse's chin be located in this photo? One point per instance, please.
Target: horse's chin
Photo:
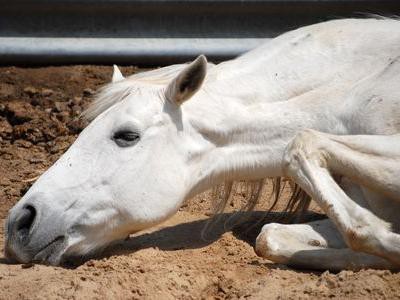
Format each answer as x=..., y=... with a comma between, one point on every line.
x=52, y=253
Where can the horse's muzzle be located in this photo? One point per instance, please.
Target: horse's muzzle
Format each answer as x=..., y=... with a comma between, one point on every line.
x=29, y=239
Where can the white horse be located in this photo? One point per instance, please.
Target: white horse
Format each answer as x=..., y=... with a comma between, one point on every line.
x=320, y=104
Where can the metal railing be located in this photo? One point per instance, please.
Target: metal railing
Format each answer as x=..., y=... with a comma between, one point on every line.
x=155, y=32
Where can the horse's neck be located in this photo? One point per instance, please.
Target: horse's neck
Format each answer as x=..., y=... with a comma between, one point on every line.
x=251, y=108
x=248, y=141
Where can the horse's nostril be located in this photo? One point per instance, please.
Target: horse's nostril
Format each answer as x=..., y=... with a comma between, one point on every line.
x=25, y=221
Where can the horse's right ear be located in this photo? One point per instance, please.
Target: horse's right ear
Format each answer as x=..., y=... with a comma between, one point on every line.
x=188, y=82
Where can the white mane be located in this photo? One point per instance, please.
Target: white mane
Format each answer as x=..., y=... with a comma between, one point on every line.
x=113, y=93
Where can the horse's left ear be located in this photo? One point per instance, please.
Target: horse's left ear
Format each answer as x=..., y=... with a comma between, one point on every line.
x=117, y=75
x=188, y=82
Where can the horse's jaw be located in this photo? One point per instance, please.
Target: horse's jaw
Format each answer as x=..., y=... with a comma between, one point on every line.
x=61, y=221
x=56, y=240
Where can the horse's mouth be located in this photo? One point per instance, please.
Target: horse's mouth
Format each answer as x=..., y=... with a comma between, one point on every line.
x=50, y=253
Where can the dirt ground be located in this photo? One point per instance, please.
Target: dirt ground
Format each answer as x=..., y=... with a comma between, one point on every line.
x=38, y=121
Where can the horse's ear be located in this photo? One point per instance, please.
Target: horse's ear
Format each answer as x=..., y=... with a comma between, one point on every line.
x=188, y=81
x=117, y=75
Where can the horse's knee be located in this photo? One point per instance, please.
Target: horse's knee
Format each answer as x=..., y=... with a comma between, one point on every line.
x=268, y=243
x=305, y=146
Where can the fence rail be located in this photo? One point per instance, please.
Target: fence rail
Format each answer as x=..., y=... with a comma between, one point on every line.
x=150, y=32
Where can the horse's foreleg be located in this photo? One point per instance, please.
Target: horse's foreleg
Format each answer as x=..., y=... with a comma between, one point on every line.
x=310, y=159
x=316, y=245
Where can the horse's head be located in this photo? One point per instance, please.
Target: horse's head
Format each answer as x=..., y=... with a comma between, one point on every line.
x=125, y=172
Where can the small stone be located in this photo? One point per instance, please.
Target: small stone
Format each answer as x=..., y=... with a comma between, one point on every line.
x=5, y=127
x=60, y=106
x=35, y=160
x=63, y=116
x=88, y=92
x=47, y=92
x=76, y=126
x=31, y=91
x=77, y=100
x=76, y=110
x=23, y=143
x=90, y=263
x=20, y=112
x=28, y=265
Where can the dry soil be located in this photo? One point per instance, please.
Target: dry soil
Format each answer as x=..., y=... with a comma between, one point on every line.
x=38, y=121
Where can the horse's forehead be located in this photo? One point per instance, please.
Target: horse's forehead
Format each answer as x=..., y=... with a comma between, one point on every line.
x=141, y=104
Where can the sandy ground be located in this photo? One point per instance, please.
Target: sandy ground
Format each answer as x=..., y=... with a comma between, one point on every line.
x=38, y=110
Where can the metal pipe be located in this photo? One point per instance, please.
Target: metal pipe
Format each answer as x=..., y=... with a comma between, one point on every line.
x=156, y=32
x=140, y=51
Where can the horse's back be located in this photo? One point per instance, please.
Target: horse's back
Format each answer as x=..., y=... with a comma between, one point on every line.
x=313, y=56
x=343, y=36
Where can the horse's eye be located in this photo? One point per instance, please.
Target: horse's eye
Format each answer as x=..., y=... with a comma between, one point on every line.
x=125, y=138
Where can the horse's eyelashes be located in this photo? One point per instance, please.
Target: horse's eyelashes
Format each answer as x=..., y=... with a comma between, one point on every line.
x=126, y=138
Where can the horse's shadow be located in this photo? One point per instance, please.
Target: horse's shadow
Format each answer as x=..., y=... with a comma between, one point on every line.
x=197, y=234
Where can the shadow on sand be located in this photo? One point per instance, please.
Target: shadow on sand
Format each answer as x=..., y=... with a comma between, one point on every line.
x=192, y=235
x=200, y=233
